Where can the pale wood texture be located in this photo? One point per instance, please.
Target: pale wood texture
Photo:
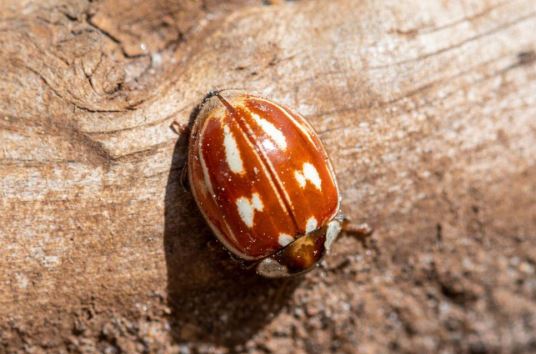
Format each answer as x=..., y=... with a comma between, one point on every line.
x=427, y=108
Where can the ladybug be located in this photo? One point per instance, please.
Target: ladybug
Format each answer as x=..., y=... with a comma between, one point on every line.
x=264, y=183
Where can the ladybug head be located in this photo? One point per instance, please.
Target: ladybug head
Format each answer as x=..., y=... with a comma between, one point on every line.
x=301, y=255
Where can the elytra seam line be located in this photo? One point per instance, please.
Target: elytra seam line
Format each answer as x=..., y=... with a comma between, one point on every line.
x=245, y=127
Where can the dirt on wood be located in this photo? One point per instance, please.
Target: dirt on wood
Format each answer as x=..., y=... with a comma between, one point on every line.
x=427, y=110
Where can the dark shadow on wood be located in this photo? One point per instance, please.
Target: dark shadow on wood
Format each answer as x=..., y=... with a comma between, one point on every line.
x=213, y=299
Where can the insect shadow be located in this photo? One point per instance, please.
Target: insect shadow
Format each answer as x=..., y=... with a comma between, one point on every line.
x=213, y=299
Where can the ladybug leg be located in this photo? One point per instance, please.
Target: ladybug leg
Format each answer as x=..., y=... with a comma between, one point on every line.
x=179, y=128
x=360, y=231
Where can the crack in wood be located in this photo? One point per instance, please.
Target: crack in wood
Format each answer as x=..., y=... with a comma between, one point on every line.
x=384, y=104
x=432, y=29
x=459, y=44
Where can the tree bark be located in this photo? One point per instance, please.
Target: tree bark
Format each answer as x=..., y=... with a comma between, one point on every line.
x=426, y=108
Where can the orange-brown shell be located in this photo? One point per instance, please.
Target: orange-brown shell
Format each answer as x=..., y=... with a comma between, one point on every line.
x=259, y=174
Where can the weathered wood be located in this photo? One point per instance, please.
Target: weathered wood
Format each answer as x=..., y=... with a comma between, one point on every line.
x=428, y=112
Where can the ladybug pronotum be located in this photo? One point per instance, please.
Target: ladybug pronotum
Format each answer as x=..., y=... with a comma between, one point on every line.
x=263, y=182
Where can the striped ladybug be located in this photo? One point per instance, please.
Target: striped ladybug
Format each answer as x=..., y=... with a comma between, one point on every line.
x=263, y=182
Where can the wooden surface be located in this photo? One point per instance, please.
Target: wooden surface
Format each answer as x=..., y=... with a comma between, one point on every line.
x=428, y=110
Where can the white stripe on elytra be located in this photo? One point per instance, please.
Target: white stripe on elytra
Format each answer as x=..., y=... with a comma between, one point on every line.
x=262, y=166
x=271, y=166
x=206, y=176
x=219, y=233
x=299, y=125
x=275, y=134
x=307, y=130
x=247, y=207
x=232, y=154
x=311, y=225
x=285, y=239
x=308, y=173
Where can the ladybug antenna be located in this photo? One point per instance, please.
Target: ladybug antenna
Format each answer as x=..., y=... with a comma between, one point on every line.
x=211, y=94
x=360, y=231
